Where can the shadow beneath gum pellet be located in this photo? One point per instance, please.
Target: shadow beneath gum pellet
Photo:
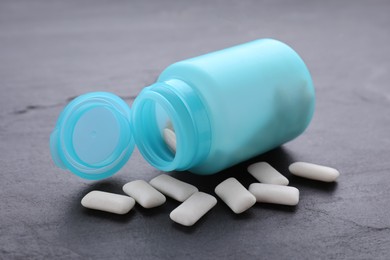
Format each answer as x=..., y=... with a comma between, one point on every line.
x=328, y=187
x=151, y=212
x=108, y=216
x=248, y=214
x=281, y=208
x=163, y=209
x=112, y=185
x=184, y=229
x=191, y=229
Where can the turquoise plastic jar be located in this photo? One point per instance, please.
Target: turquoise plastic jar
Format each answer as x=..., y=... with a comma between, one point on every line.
x=225, y=107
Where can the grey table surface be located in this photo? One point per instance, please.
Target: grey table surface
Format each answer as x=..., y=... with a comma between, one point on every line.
x=52, y=51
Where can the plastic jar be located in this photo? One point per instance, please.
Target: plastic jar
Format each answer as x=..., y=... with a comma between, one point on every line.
x=225, y=107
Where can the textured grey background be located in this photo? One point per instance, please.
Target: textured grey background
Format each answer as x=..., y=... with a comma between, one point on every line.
x=51, y=51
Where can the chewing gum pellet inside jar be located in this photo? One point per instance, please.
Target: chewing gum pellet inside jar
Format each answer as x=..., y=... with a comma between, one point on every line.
x=170, y=139
x=157, y=142
x=169, y=136
x=166, y=128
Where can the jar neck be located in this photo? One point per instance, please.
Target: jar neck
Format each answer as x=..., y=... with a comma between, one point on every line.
x=174, y=101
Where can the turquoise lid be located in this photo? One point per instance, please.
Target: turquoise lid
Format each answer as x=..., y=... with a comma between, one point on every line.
x=93, y=137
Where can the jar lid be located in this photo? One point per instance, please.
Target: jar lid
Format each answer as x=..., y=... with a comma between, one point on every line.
x=93, y=137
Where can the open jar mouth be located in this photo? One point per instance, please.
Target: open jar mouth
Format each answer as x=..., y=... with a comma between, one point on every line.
x=159, y=107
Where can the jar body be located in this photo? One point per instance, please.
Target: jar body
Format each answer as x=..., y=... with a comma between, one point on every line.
x=257, y=96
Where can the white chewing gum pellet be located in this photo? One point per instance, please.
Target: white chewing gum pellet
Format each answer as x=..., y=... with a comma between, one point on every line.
x=265, y=173
x=144, y=194
x=170, y=139
x=314, y=171
x=276, y=194
x=173, y=188
x=234, y=194
x=109, y=202
x=169, y=125
x=191, y=210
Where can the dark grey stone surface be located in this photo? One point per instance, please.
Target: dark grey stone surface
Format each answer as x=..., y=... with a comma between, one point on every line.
x=51, y=51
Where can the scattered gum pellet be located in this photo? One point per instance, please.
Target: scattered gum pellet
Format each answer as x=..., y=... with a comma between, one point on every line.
x=265, y=173
x=234, y=194
x=276, y=194
x=109, y=202
x=173, y=188
x=191, y=210
x=314, y=171
x=170, y=139
x=144, y=194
